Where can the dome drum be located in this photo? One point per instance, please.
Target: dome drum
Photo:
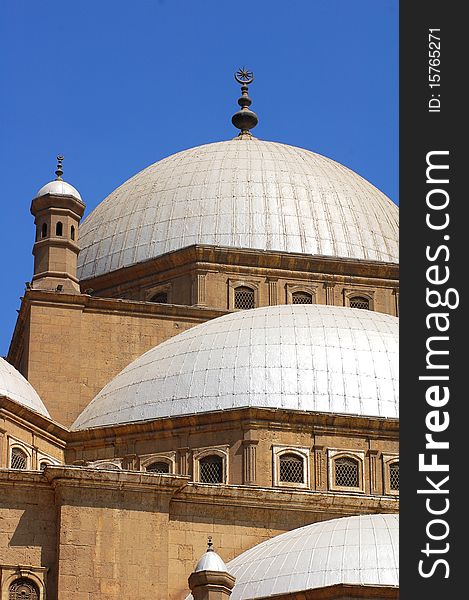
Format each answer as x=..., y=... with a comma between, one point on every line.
x=250, y=446
x=202, y=275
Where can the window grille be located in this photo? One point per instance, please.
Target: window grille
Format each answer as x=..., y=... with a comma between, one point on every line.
x=23, y=589
x=302, y=298
x=211, y=469
x=394, y=476
x=19, y=459
x=347, y=472
x=359, y=302
x=244, y=298
x=161, y=298
x=291, y=468
x=158, y=467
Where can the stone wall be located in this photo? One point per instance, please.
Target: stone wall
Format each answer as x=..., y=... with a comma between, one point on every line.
x=28, y=526
x=70, y=346
x=107, y=535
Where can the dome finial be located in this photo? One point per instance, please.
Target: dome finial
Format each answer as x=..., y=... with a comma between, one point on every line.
x=59, y=172
x=244, y=119
x=210, y=544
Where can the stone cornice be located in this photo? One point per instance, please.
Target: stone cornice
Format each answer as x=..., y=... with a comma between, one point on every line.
x=207, y=256
x=85, y=302
x=180, y=489
x=95, y=304
x=24, y=479
x=82, y=477
x=34, y=422
x=242, y=418
x=247, y=496
x=60, y=476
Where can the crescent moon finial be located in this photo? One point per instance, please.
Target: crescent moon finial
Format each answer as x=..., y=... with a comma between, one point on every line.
x=59, y=172
x=244, y=119
x=244, y=77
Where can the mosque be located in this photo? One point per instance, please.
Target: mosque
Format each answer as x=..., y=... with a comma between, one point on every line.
x=209, y=358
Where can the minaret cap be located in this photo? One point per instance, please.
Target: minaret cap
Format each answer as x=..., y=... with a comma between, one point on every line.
x=245, y=119
x=59, y=187
x=210, y=561
x=210, y=579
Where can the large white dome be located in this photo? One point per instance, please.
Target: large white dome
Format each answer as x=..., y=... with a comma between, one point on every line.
x=359, y=550
x=14, y=386
x=243, y=193
x=298, y=357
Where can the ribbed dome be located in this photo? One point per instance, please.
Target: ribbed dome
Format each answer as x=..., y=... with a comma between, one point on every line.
x=360, y=550
x=243, y=193
x=300, y=357
x=14, y=386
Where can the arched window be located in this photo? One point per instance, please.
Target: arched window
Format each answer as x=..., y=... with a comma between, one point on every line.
x=23, y=589
x=59, y=229
x=347, y=472
x=394, y=476
x=211, y=469
x=158, y=467
x=292, y=468
x=160, y=298
x=72, y=232
x=44, y=230
x=243, y=298
x=19, y=459
x=301, y=298
x=359, y=302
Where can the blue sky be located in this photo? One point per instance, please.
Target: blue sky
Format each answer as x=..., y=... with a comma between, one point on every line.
x=117, y=85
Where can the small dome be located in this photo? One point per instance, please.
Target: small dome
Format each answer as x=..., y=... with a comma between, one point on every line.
x=297, y=357
x=243, y=193
x=14, y=386
x=59, y=188
x=210, y=561
x=359, y=550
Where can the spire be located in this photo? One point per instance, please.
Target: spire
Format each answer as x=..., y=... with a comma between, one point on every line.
x=245, y=119
x=59, y=172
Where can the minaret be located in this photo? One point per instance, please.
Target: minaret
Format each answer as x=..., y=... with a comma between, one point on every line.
x=57, y=209
x=210, y=579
